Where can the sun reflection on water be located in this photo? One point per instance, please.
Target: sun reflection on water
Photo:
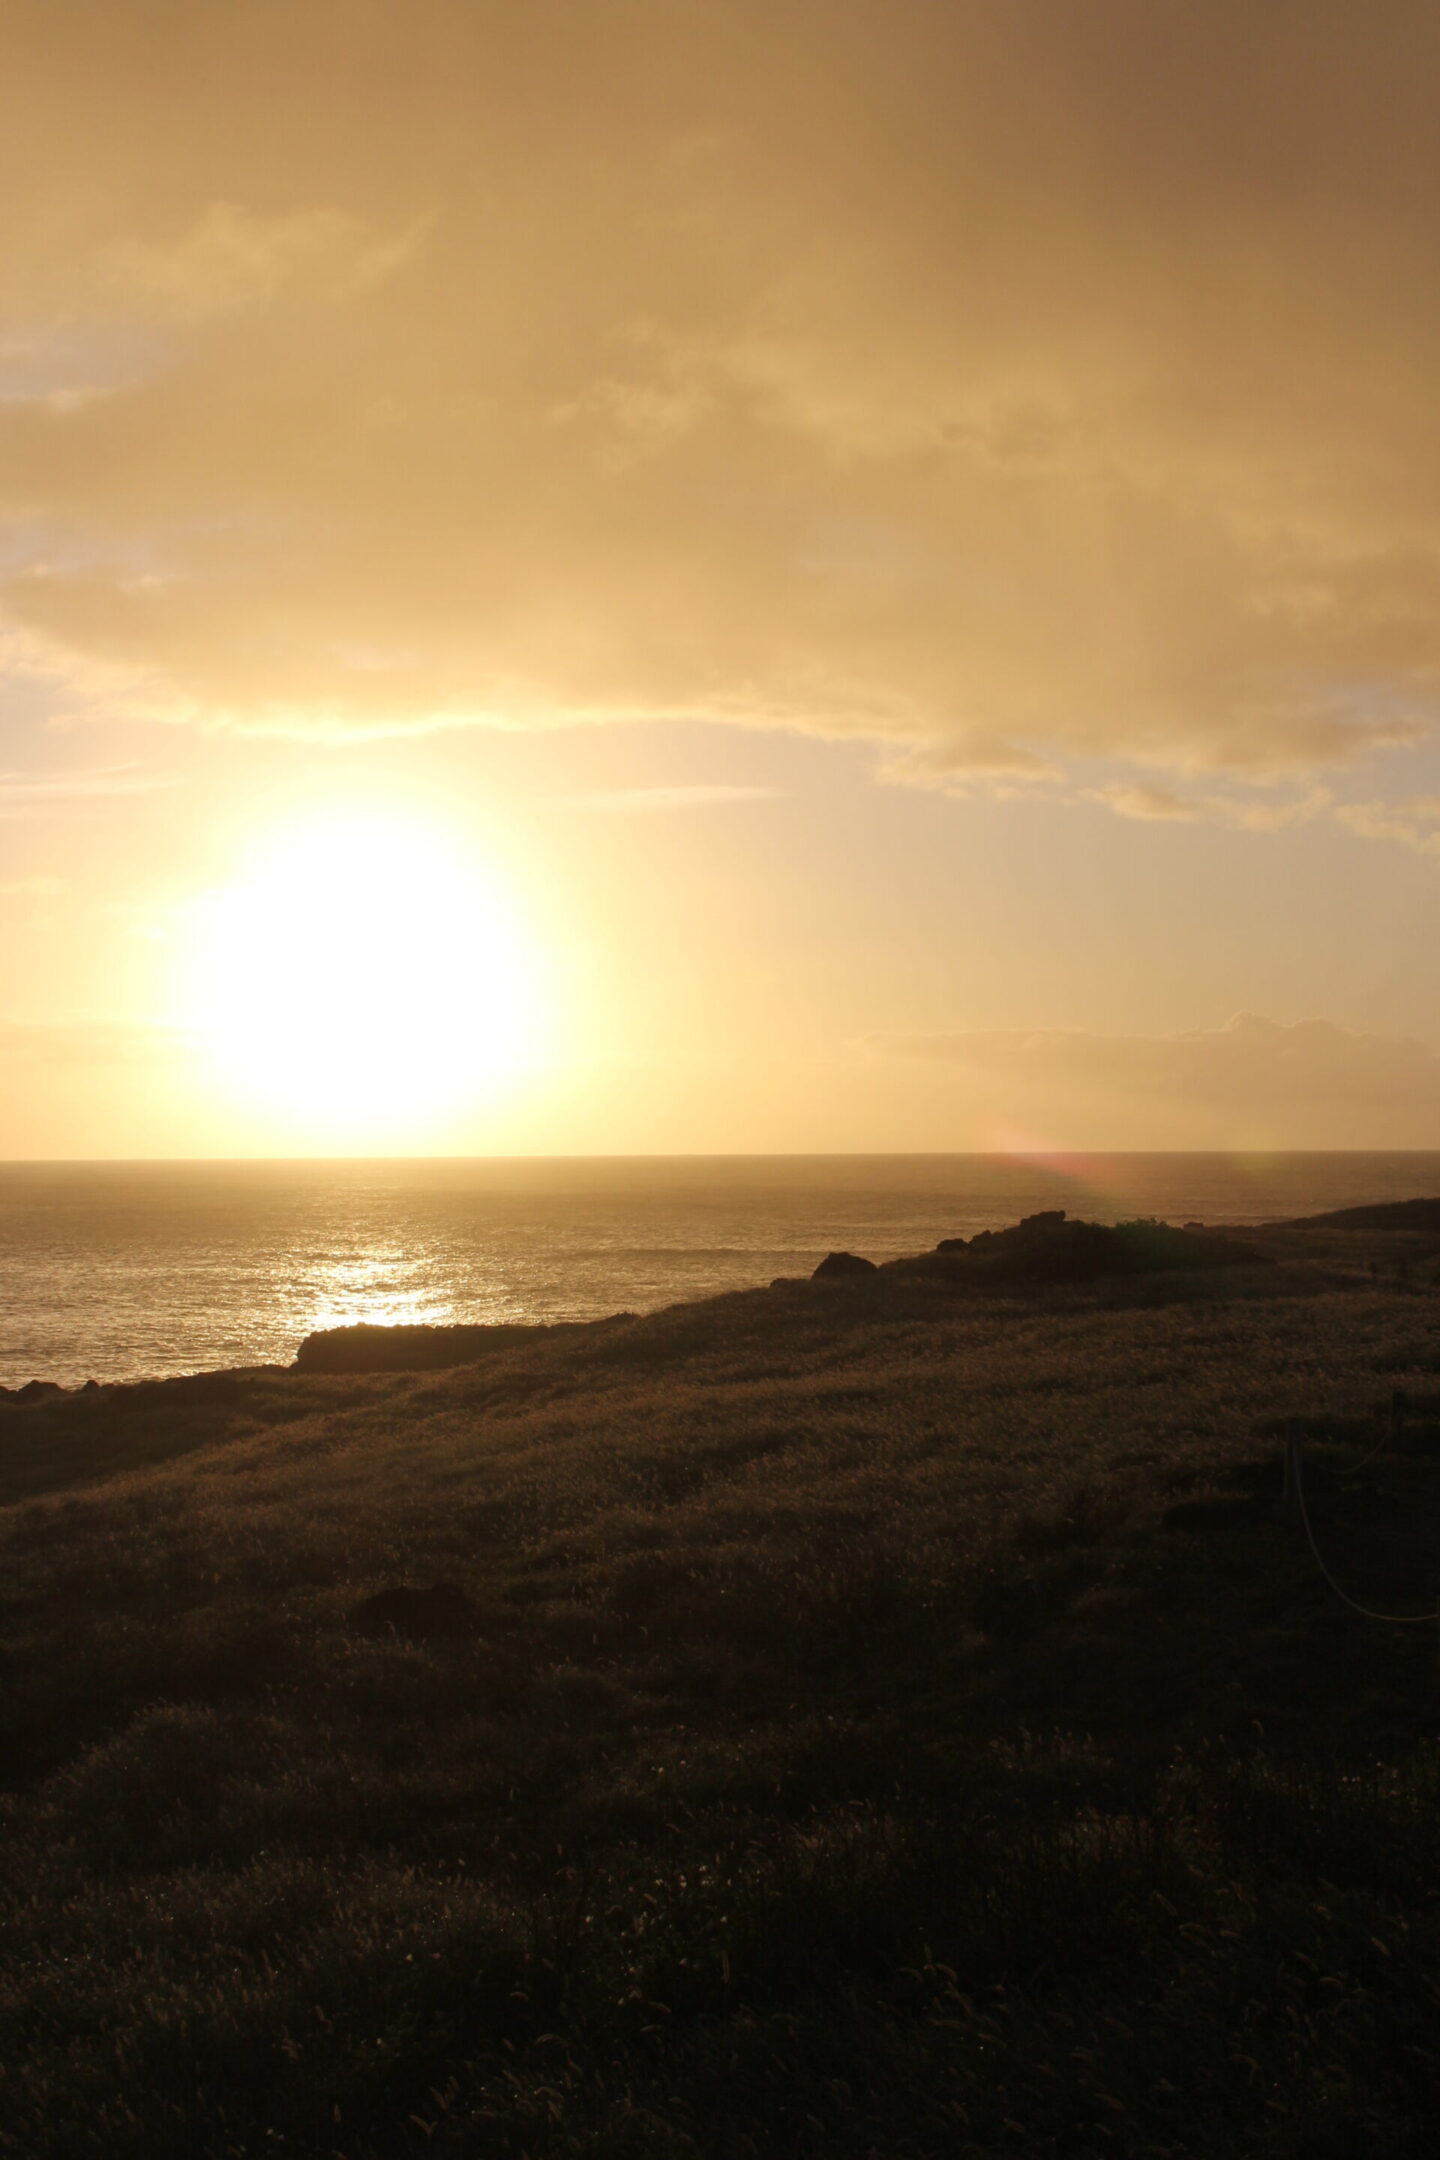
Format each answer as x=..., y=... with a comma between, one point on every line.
x=386, y=1286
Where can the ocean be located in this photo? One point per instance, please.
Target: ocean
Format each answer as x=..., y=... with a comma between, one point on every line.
x=110, y=1271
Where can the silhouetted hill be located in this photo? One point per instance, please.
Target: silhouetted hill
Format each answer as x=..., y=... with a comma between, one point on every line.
x=1385, y=1215
x=1050, y=1248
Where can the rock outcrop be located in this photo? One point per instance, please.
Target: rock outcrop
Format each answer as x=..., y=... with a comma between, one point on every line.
x=1048, y=1247
x=843, y=1263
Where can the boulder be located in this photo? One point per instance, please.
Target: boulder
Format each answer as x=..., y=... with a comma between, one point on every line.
x=842, y=1263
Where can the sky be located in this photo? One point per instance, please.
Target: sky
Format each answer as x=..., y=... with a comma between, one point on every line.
x=586, y=576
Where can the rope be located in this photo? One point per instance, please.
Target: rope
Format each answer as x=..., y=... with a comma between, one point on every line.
x=1365, y=1461
x=1425, y=1619
x=1388, y=1438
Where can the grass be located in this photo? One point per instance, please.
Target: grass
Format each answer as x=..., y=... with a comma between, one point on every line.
x=885, y=1724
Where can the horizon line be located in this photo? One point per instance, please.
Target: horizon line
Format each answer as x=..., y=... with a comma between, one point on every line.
x=1038, y=1155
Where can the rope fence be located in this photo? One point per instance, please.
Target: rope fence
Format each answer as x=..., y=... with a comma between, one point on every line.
x=1294, y=1501
x=1391, y=1437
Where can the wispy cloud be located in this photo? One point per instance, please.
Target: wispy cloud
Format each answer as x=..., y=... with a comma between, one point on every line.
x=1414, y=824
x=28, y=793
x=232, y=260
x=1131, y=800
x=700, y=796
x=1260, y=812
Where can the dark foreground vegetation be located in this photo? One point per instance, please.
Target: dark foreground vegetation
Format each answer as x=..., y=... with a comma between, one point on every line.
x=860, y=1717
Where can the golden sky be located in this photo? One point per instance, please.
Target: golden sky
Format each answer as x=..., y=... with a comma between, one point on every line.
x=818, y=574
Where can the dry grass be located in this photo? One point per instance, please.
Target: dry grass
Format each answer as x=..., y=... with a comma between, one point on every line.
x=855, y=1747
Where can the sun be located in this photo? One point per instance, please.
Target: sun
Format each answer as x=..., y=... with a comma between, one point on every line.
x=366, y=976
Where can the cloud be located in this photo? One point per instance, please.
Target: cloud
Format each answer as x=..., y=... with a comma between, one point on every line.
x=1252, y=1082
x=24, y=794
x=1415, y=824
x=232, y=261
x=700, y=796
x=1005, y=385
x=954, y=768
x=1256, y=812
x=1147, y=803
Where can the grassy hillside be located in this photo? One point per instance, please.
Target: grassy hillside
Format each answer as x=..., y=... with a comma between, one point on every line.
x=862, y=1720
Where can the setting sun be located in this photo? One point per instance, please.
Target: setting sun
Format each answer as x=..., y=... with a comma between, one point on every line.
x=364, y=975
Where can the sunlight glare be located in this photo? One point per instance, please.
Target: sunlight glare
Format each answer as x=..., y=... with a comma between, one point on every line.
x=367, y=976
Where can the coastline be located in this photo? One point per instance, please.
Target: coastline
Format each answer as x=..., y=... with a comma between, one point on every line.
x=857, y=1669
x=115, y=1272
x=1359, y=1239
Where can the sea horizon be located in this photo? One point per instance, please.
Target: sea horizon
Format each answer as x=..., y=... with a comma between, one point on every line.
x=120, y=1268
x=1008, y=1154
